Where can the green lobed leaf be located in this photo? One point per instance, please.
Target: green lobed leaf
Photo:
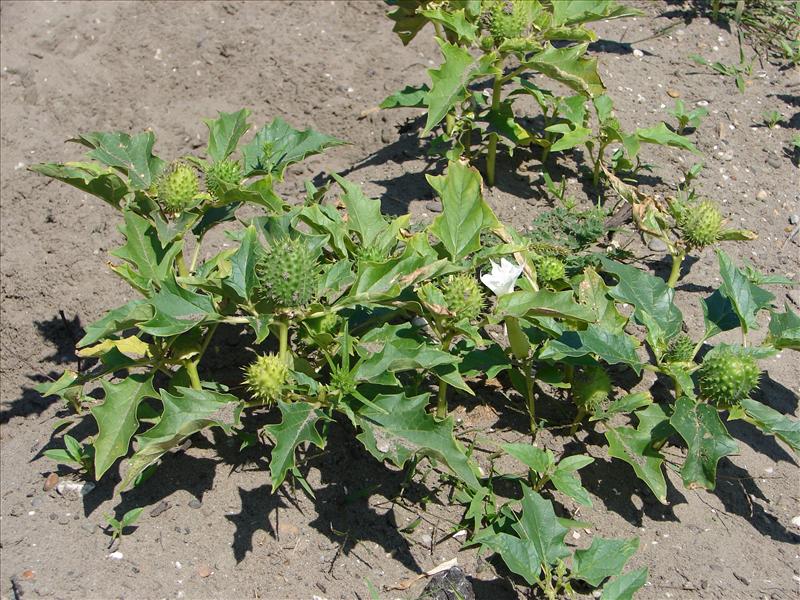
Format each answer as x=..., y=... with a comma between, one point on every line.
x=536, y=459
x=568, y=484
x=186, y=411
x=771, y=421
x=624, y=405
x=409, y=97
x=298, y=425
x=746, y=298
x=224, y=133
x=570, y=138
x=568, y=65
x=538, y=524
x=519, y=555
x=278, y=145
x=543, y=303
x=636, y=447
x=176, y=310
x=242, y=278
x=116, y=320
x=625, y=586
x=706, y=439
x=579, y=12
x=91, y=178
x=407, y=21
x=660, y=134
x=650, y=296
x=784, y=329
x=117, y=418
x=454, y=20
x=400, y=427
x=718, y=314
x=131, y=154
x=464, y=212
x=612, y=347
x=148, y=261
x=604, y=558
x=363, y=214
x=449, y=81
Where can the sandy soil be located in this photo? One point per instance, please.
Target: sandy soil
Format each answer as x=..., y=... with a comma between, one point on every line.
x=211, y=528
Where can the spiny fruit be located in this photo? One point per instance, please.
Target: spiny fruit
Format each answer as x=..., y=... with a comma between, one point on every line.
x=728, y=375
x=266, y=377
x=221, y=175
x=680, y=350
x=288, y=273
x=591, y=386
x=700, y=225
x=371, y=254
x=178, y=188
x=463, y=296
x=550, y=269
x=507, y=24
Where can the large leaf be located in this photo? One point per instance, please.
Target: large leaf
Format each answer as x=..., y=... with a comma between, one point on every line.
x=298, y=425
x=649, y=295
x=773, y=422
x=543, y=303
x=363, y=214
x=784, y=329
x=91, y=178
x=604, y=558
x=242, y=278
x=186, y=411
x=398, y=427
x=407, y=22
x=612, y=347
x=224, y=133
x=176, y=310
x=148, y=261
x=454, y=20
x=464, y=212
x=538, y=524
x=745, y=297
x=637, y=447
x=133, y=155
x=278, y=145
x=663, y=136
x=706, y=439
x=567, y=65
x=718, y=314
x=409, y=97
x=625, y=586
x=116, y=320
x=449, y=81
x=579, y=12
x=116, y=418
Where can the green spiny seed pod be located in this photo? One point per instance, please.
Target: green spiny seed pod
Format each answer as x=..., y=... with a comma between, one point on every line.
x=680, y=350
x=591, y=386
x=266, y=377
x=371, y=254
x=728, y=375
x=463, y=296
x=550, y=269
x=221, y=175
x=700, y=225
x=178, y=188
x=288, y=273
x=486, y=43
x=507, y=24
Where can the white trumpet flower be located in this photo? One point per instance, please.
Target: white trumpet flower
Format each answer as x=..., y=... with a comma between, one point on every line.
x=503, y=277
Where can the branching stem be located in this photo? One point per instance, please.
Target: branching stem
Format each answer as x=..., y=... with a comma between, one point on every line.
x=677, y=260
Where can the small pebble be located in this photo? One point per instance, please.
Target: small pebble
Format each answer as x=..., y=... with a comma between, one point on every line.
x=761, y=195
x=88, y=527
x=434, y=207
x=29, y=574
x=796, y=521
x=657, y=245
x=638, y=53
x=116, y=555
x=161, y=507
x=50, y=482
x=204, y=571
x=673, y=93
x=794, y=219
x=195, y=503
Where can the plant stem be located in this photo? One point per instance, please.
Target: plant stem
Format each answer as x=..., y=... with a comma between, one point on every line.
x=195, y=255
x=441, y=403
x=179, y=260
x=531, y=398
x=191, y=370
x=677, y=259
x=283, y=339
x=439, y=32
x=492, y=152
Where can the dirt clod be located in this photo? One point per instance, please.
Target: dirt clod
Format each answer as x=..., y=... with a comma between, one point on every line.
x=50, y=482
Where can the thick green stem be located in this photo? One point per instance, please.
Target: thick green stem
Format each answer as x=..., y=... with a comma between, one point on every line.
x=439, y=31
x=520, y=345
x=283, y=339
x=182, y=270
x=677, y=260
x=441, y=403
x=492, y=152
x=191, y=370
